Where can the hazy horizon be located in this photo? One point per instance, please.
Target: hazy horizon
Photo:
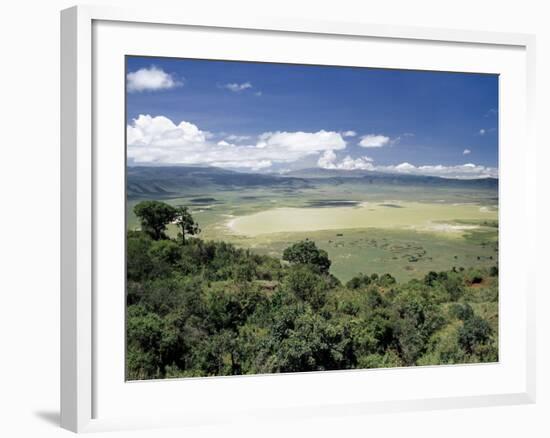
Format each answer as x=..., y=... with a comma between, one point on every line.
x=294, y=171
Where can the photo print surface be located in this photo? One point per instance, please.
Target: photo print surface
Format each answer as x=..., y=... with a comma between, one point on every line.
x=293, y=218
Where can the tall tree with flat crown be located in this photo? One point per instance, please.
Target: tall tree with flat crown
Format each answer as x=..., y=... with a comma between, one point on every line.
x=186, y=223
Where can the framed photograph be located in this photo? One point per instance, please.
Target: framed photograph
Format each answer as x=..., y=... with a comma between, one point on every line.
x=270, y=218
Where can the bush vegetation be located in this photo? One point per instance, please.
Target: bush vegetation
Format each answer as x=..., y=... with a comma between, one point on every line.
x=205, y=308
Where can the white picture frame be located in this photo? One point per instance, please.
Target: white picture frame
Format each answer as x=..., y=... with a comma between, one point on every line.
x=85, y=377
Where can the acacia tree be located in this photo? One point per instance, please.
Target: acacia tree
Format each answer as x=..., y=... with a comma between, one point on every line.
x=186, y=223
x=154, y=216
x=306, y=252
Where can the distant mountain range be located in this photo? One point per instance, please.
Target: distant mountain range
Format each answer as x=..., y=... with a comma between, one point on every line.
x=159, y=181
x=166, y=181
x=374, y=177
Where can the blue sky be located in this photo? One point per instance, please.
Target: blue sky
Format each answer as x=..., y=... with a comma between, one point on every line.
x=275, y=117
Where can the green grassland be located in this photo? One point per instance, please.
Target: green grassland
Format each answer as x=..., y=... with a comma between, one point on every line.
x=401, y=229
x=403, y=253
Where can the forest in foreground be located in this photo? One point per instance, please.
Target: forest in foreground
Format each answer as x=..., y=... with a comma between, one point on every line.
x=207, y=308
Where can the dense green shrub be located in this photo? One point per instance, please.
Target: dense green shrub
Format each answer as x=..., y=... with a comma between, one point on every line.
x=203, y=308
x=306, y=252
x=359, y=281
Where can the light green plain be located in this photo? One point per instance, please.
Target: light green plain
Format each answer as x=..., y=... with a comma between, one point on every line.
x=397, y=215
x=430, y=229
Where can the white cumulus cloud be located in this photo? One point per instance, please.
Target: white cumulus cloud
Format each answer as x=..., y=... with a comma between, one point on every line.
x=466, y=152
x=328, y=161
x=150, y=79
x=235, y=87
x=238, y=138
x=374, y=141
x=460, y=171
x=301, y=143
x=159, y=140
x=349, y=133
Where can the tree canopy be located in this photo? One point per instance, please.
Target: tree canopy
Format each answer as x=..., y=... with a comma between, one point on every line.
x=154, y=216
x=206, y=308
x=306, y=252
